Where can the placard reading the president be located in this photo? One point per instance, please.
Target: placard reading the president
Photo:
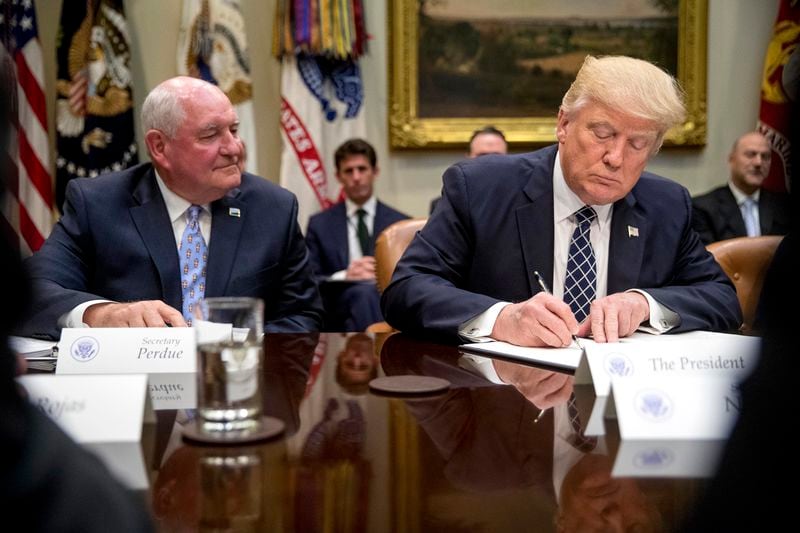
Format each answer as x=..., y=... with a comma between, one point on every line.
x=643, y=356
x=687, y=354
x=126, y=351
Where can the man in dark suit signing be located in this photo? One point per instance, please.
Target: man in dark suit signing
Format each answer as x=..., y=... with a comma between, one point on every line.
x=742, y=208
x=140, y=247
x=341, y=241
x=613, y=241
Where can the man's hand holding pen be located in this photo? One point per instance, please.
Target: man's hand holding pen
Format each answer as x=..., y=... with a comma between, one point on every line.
x=542, y=320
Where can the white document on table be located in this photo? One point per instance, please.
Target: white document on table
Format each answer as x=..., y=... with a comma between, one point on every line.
x=568, y=357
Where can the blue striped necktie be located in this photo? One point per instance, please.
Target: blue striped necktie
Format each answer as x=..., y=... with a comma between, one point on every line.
x=580, y=283
x=749, y=210
x=193, y=256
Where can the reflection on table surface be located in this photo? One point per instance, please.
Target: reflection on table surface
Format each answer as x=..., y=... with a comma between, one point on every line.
x=499, y=451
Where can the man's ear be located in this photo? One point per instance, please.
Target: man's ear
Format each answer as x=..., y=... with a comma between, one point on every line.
x=156, y=143
x=561, y=126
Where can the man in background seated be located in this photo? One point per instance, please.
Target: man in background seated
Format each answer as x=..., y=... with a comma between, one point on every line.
x=341, y=241
x=357, y=364
x=613, y=242
x=141, y=247
x=742, y=208
x=485, y=141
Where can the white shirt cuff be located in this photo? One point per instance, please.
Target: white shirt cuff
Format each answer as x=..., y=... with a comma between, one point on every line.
x=478, y=328
x=480, y=365
x=662, y=319
x=341, y=275
x=74, y=319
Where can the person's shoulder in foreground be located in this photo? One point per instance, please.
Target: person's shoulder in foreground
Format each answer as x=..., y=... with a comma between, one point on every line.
x=473, y=263
x=48, y=481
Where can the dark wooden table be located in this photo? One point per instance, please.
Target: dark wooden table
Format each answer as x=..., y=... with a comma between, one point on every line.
x=473, y=458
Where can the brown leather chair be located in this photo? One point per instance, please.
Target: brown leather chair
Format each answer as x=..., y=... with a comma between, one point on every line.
x=389, y=246
x=745, y=260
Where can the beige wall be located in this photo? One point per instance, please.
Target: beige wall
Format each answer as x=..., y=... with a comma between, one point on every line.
x=737, y=35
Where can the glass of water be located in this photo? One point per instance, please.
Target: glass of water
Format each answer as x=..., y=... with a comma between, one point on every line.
x=229, y=335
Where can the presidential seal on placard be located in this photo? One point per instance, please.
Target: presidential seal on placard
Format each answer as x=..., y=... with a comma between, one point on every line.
x=84, y=349
x=617, y=364
x=654, y=458
x=653, y=405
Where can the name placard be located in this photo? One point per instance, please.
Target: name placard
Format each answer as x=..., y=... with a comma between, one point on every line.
x=104, y=413
x=668, y=458
x=126, y=351
x=173, y=391
x=688, y=354
x=685, y=408
x=672, y=427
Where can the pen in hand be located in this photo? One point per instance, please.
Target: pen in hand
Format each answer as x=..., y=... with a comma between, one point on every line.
x=543, y=285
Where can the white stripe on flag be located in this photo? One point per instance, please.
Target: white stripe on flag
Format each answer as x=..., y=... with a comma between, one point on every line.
x=247, y=132
x=37, y=208
x=307, y=131
x=34, y=132
x=33, y=57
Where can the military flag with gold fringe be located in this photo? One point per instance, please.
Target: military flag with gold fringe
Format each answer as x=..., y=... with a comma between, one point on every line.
x=319, y=43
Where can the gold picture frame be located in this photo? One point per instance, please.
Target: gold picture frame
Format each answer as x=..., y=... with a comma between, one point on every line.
x=409, y=129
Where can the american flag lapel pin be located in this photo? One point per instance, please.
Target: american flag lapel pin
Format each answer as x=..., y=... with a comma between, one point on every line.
x=236, y=212
x=633, y=231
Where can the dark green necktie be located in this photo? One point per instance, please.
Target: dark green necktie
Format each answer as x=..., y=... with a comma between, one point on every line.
x=363, y=233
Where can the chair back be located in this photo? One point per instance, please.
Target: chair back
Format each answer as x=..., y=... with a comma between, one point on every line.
x=390, y=245
x=745, y=260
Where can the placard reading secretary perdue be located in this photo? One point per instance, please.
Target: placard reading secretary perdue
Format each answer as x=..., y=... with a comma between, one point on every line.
x=126, y=350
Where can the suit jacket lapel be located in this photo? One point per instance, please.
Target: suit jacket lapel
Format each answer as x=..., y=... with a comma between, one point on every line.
x=339, y=242
x=379, y=224
x=765, y=211
x=629, y=229
x=225, y=231
x=731, y=214
x=153, y=224
x=381, y=219
x=535, y=226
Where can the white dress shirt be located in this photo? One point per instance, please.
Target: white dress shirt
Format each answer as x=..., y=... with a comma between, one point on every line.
x=353, y=245
x=176, y=209
x=565, y=204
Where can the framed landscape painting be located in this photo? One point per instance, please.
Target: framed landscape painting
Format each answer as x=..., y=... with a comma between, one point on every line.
x=458, y=65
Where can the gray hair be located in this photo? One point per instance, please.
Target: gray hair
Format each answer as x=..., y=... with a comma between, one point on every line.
x=633, y=86
x=163, y=110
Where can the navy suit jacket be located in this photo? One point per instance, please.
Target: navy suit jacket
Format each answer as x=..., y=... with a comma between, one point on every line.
x=327, y=236
x=717, y=216
x=494, y=227
x=115, y=241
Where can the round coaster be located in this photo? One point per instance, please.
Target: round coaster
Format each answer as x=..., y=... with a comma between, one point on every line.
x=408, y=385
x=268, y=428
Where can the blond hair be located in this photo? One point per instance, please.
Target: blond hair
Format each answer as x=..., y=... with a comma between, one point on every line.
x=629, y=85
